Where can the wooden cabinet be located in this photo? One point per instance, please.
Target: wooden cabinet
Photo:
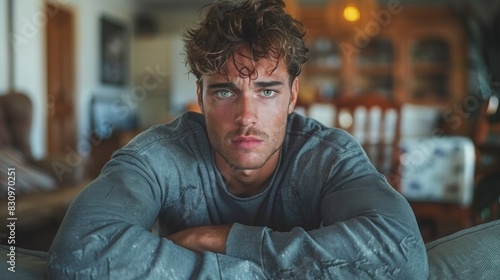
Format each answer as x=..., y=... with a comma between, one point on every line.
x=416, y=56
x=435, y=66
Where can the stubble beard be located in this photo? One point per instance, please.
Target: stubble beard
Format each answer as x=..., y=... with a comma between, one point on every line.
x=225, y=154
x=235, y=166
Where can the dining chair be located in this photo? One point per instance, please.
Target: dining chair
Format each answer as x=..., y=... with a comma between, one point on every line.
x=375, y=122
x=437, y=178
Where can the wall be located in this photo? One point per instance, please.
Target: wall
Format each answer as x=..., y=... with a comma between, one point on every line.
x=30, y=56
x=171, y=24
x=3, y=47
x=87, y=16
x=29, y=64
x=152, y=79
x=162, y=86
x=183, y=84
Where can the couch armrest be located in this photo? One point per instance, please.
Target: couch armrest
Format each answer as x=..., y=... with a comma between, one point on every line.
x=467, y=254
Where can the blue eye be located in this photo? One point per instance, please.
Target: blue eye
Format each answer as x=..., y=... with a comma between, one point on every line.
x=223, y=94
x=268, y=93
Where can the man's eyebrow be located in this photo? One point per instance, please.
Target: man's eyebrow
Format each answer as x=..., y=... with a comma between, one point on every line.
x=268, y=84
x=222, y=85
x=232, y=86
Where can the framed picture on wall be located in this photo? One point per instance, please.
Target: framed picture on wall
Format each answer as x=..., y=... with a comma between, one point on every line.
x=114, y=52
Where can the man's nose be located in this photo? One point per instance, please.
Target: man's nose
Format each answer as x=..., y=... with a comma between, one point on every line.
x=246, y=114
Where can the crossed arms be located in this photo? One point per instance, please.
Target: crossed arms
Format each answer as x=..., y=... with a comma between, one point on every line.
x=106, y=234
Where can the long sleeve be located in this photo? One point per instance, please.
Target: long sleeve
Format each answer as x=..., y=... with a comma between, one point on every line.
x=368, y=232
x=106, y=234
x=367, y=229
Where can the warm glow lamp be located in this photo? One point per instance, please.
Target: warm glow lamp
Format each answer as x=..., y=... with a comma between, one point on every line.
x=344, y=16
x=351, y=13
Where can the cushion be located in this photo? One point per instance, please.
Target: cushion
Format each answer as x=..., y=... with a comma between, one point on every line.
x=471, y=253
x=438, y=169
x=29, y=264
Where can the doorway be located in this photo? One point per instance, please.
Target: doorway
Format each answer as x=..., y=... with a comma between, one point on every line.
x=61, y=123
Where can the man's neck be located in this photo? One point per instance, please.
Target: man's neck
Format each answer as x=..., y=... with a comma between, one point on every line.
x=246, y=183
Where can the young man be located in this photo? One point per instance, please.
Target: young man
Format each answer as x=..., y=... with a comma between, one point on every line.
x=247, y=189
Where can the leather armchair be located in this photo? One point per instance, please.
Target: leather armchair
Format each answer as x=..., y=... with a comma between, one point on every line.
x=15, y=129
x=15, y=122
x=41, y=195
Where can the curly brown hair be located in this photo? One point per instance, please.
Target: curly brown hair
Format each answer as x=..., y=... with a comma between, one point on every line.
x=261, y=27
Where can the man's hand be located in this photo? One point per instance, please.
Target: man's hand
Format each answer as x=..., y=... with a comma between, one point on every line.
x=203, y=238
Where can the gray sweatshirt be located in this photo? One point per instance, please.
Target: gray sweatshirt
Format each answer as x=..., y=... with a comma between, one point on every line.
x=326, y=213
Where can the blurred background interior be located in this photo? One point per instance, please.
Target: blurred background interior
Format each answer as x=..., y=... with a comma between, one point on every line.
x=417, y=82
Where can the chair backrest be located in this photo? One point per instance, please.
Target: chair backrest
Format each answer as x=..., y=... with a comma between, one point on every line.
x=15, y=121
x=370, y=118
x=375, y=122
x=438, y=169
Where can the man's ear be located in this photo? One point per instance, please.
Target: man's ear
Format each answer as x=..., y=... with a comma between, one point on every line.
x=294, y=94
x=199, y=93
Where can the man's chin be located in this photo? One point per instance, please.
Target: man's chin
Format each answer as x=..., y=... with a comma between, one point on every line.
x=248, y=160
x=245, y=165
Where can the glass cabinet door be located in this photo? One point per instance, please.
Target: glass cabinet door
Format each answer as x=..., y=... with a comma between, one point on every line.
x=375, y=69
x=323, y=71
x=429, y=70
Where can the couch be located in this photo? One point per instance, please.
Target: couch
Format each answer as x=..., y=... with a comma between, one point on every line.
x=471, y=253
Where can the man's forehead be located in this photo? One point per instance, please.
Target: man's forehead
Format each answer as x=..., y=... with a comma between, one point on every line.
x=255, y=78
x=245, y=59
x=242, y=67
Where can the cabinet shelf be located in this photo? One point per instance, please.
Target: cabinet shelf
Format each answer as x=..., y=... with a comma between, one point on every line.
x=430, y=68
x=376, y=70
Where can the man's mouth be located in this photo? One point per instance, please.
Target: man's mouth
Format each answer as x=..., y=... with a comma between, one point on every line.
x=246, y=142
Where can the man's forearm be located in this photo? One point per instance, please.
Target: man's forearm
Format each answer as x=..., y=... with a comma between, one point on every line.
x=203, y=238
x=374, y=235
